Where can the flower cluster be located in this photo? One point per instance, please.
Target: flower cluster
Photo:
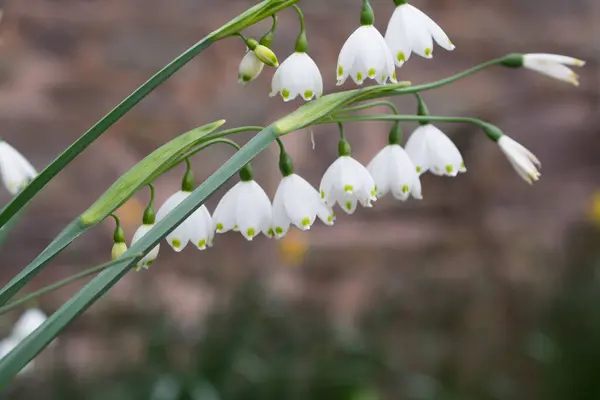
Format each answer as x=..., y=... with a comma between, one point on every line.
x=367, y=54
x=395, y=169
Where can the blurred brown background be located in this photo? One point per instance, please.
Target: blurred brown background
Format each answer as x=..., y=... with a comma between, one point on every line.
x=464, y=283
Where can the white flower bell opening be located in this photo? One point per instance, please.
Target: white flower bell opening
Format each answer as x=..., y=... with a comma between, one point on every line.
x=431, y=150
x=245, y=208
x=197, y=228
x=554, y=66
x=297, y=75
x=393, y=171
x=347, y=182
x=16, y=171
x=523, y=161
x=412, y=31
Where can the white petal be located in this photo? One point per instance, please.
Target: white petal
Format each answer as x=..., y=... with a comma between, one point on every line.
x=299, y=201
x=299, y=75
x=404, y=176
x=179, y=238
x=250, y=67
x=29, y=322
x=330, y=176
x=397, y=36
x=421, y=40
x=225, y=214
x=552, y=58
x=253, y=208
x=379, y=168
x=153, y=254
x=434, y=29
x=281, y=222
x=16, y=171
x=417, y=150
x=444, y=156
x=200, y=227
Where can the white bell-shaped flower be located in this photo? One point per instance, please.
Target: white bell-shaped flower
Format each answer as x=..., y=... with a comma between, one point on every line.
x=197, y=228
x=431, y=150
x=297, y=75
x=250, y=67
x=347, y=182
x=16, y=171
x=149, y=258
x=523, y=161
x=412, y=31
x=554, y=66
x=28, y=322
x=297, y=202
x=366, y=55
x=245, y=208
x=393, y=171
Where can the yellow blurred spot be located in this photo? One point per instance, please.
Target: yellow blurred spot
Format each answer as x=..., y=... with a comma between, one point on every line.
x=131, y=212
x=293, y=248
x=595, y=208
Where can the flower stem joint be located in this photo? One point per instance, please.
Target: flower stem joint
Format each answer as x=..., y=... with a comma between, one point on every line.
x=263, y=53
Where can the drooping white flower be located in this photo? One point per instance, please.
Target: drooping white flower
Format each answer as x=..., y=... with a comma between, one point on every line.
x=297, y=202
x=393, y=171
x=347, y=182
x=250, y=68
x=431, y=150
x=149, y=258
x=365, y=55
x=297, y=75
x=522, y=160
x=16, y=171
x=197, y=228
x=412, y=31
x=246, y=208
x=554, y=66
x=27, y=323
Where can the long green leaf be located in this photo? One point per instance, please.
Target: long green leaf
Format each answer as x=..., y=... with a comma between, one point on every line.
x=115, y=196
x=13, y=362
x=248, y=18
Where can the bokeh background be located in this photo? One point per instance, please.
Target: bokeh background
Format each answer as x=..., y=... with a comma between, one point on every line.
x=486, y=289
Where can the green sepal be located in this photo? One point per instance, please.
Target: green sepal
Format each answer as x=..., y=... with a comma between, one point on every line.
x=149, y=215
x=395, y=134
x=344, y=148
x=400, y=2
x=187, y=182
x=143, y=173
x=119, y=235
x=246, y=173
x=301, y=43
x=367, y=17
x=422, y=109
x=286, y=165
x=513, y=60
x=492, y=131
x=267, y=39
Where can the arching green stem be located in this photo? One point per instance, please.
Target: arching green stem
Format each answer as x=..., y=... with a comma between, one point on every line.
x=64, y=282
x=269, y=36
x=366, y=106
x=301, y=41
x=416, y=118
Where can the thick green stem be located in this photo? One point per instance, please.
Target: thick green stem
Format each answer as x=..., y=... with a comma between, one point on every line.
x=57, y=285
x=250, y=17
